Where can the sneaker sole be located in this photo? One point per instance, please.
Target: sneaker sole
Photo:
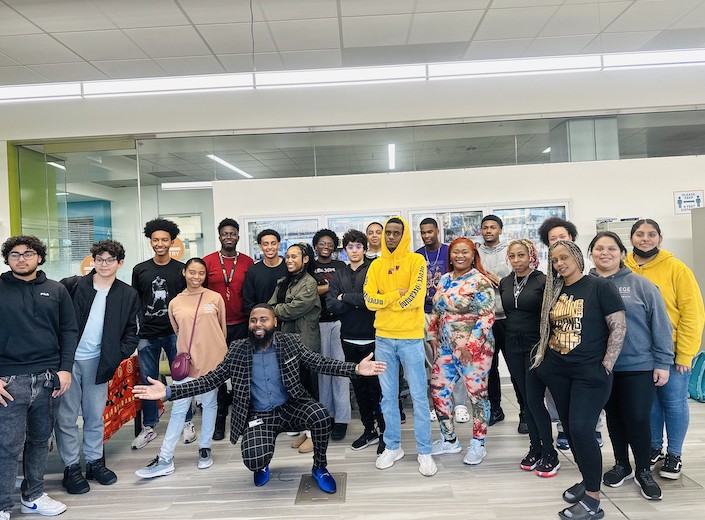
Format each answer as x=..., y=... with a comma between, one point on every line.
x=445, y=452
x=548, y=474
x=140, y=446
x=474, y=462
x=528, y=468
x=155, y=475
x=189, y=441
x=205, y=466
x=563, y=447
x=647, y=497
x=618, y=484
x=396, y=458
x=669, y=476
x=28, y=511
x=367, y=445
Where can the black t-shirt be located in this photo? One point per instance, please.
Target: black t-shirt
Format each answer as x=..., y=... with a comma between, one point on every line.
x=157, y=285
x=578, y=329
x=260, y=283
x=323, y=273
x=524, y=312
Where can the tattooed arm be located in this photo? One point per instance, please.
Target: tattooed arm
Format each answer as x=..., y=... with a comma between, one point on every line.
x=617, y=323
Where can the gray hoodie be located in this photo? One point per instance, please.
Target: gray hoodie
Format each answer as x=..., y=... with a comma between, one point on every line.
x=494, y=260
x=648, y=343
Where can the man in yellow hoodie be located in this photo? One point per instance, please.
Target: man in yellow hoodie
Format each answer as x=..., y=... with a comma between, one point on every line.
x=396, y=288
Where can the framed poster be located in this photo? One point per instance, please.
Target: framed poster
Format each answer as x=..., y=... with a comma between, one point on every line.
x=524, y=222
x=452, y=223
x=292, y=231
x=342, y=223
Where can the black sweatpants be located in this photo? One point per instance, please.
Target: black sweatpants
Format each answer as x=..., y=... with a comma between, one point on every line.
x=494, y=388
x=580, y=391
x=629, y=416
x=368, y=393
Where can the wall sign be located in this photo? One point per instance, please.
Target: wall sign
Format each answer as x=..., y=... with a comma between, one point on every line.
x=684, y=201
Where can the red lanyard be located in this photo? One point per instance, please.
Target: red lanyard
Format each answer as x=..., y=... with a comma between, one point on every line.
x=227, y=278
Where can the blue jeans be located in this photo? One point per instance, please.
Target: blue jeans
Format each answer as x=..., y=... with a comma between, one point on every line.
x=179, y=408
x=85, y=396
x=148, y=351
x=671, y=408
x=410, y=353
x=25, y=422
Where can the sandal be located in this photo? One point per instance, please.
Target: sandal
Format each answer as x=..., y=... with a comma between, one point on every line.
x=581, y=511
x=574, y=493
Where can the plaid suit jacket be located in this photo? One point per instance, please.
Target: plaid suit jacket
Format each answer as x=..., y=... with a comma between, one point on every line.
x=237, y=366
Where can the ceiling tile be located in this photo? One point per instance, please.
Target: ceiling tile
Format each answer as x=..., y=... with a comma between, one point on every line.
x=66, y=15
x=372, y=31
x=138, y=13
x=692, y=20
x=216, y=11
x=190, y=65
x=298, y=10
x=101, y=45
x=56, y=72
x=32, y=49
x=677, y=39
x=444, y=27
x=652, y=15
x=322, y=59
x=13, y=23
x=123, y=69
x=434, y=6
x=18, y=75
x=496, y=49
x=300, y=35
x=583, y=18
x=6, y=61
x=558, y=45
x=400, y=54
x=165, y=42
x=235, y=38
x=375, y=7
x=502, y=4
x=243, y=62
x=620, y=42
x=501, y=24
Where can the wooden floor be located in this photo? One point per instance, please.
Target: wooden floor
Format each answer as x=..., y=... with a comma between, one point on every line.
x=496, y=489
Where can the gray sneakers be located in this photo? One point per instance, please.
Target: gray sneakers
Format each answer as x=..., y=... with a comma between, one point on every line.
x=205, y=458
x=145, y=437
x=157, y=468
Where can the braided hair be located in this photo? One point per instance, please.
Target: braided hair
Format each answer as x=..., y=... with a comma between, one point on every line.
x=291, y=278
x=554, y=286
x=530, y=248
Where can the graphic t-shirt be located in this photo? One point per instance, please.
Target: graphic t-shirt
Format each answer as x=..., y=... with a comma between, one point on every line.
x=436, y=266
x=157, y=285
x=323, y=273
x=578, y=329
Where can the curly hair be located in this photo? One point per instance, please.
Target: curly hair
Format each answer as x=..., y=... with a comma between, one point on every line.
x=228, y=222
x=113, y=247
x=161, y=224
x=554, y=222
x=30, y=241
x=266, y=232
x=353, y=235
x=326, y=233
x=530, y=249
x=554, y=286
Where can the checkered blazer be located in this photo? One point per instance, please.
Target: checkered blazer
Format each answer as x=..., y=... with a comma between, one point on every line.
x=237, y=366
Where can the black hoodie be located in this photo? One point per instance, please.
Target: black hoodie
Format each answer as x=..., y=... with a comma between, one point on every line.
x=37, y=326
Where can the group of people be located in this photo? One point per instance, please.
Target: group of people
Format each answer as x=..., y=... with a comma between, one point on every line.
x=282, y=332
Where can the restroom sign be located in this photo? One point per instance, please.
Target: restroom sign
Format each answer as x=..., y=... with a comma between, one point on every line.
x=684, y=201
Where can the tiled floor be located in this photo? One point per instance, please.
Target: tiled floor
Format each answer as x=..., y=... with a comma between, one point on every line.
x=496, y=489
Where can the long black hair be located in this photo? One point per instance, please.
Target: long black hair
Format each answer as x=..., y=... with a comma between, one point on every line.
x=291, y=278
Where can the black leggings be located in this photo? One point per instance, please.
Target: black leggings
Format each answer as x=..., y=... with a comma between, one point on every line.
x=517, y=354
x=494, y=388
x=368, y=393
x=580, y=392
x=629, y=416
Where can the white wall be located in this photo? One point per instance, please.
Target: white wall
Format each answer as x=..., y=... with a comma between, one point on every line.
x=628, y=188
x=4, y=199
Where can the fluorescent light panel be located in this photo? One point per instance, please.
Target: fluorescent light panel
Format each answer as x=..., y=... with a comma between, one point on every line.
x=50, y=90
x=636, y=59
x=228, y=165
x=361, y=74
x=391, y=150
x=547, y=150
x=198, y=185
x=183, y=84
x=56, y=165
x=473, y=68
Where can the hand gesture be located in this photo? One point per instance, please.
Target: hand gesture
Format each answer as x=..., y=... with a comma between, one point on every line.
x=4, y=394
x=157, y=390
x=367, y=367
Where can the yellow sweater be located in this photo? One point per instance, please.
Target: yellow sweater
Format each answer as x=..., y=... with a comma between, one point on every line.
x=684, y=302
x=397, y=317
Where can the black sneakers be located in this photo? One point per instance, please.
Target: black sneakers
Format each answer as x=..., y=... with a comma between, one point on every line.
x=620, y=472
x=650, y=490
x=496, y=415
x=368, y=438
x=96, y=470
x=528, y=463
x=671, y=468
x=656, y=455
x=73, y=480
x=548, y=465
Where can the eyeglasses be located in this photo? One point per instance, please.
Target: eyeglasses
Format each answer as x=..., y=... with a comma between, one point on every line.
x=352, y=247
x=329, y=245
x=27, y=255
x=233, y=234
x=98, y=260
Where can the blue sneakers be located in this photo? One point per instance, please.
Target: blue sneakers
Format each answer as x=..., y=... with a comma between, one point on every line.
x=325, y=481
x=261, y=476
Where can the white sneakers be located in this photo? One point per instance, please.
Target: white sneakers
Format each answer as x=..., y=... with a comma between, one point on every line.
x=159, y=467
x=189, y=434
x=388, y=457
x=461, y=414
x=441, y=446
x=427, y=467
x=476, y=452
x=146, y=436
x=43, y=505
x=4, y=515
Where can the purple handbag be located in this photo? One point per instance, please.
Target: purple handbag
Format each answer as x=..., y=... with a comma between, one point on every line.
x=181, y=366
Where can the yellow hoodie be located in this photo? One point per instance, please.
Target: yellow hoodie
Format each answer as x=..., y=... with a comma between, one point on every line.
x=397, y=317
x=684, y=302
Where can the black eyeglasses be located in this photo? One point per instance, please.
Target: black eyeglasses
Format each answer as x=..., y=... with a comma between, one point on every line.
x=98, y=260
x=27, y=255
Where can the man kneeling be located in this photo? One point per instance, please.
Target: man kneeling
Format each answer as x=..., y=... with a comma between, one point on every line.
x=268, y=397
